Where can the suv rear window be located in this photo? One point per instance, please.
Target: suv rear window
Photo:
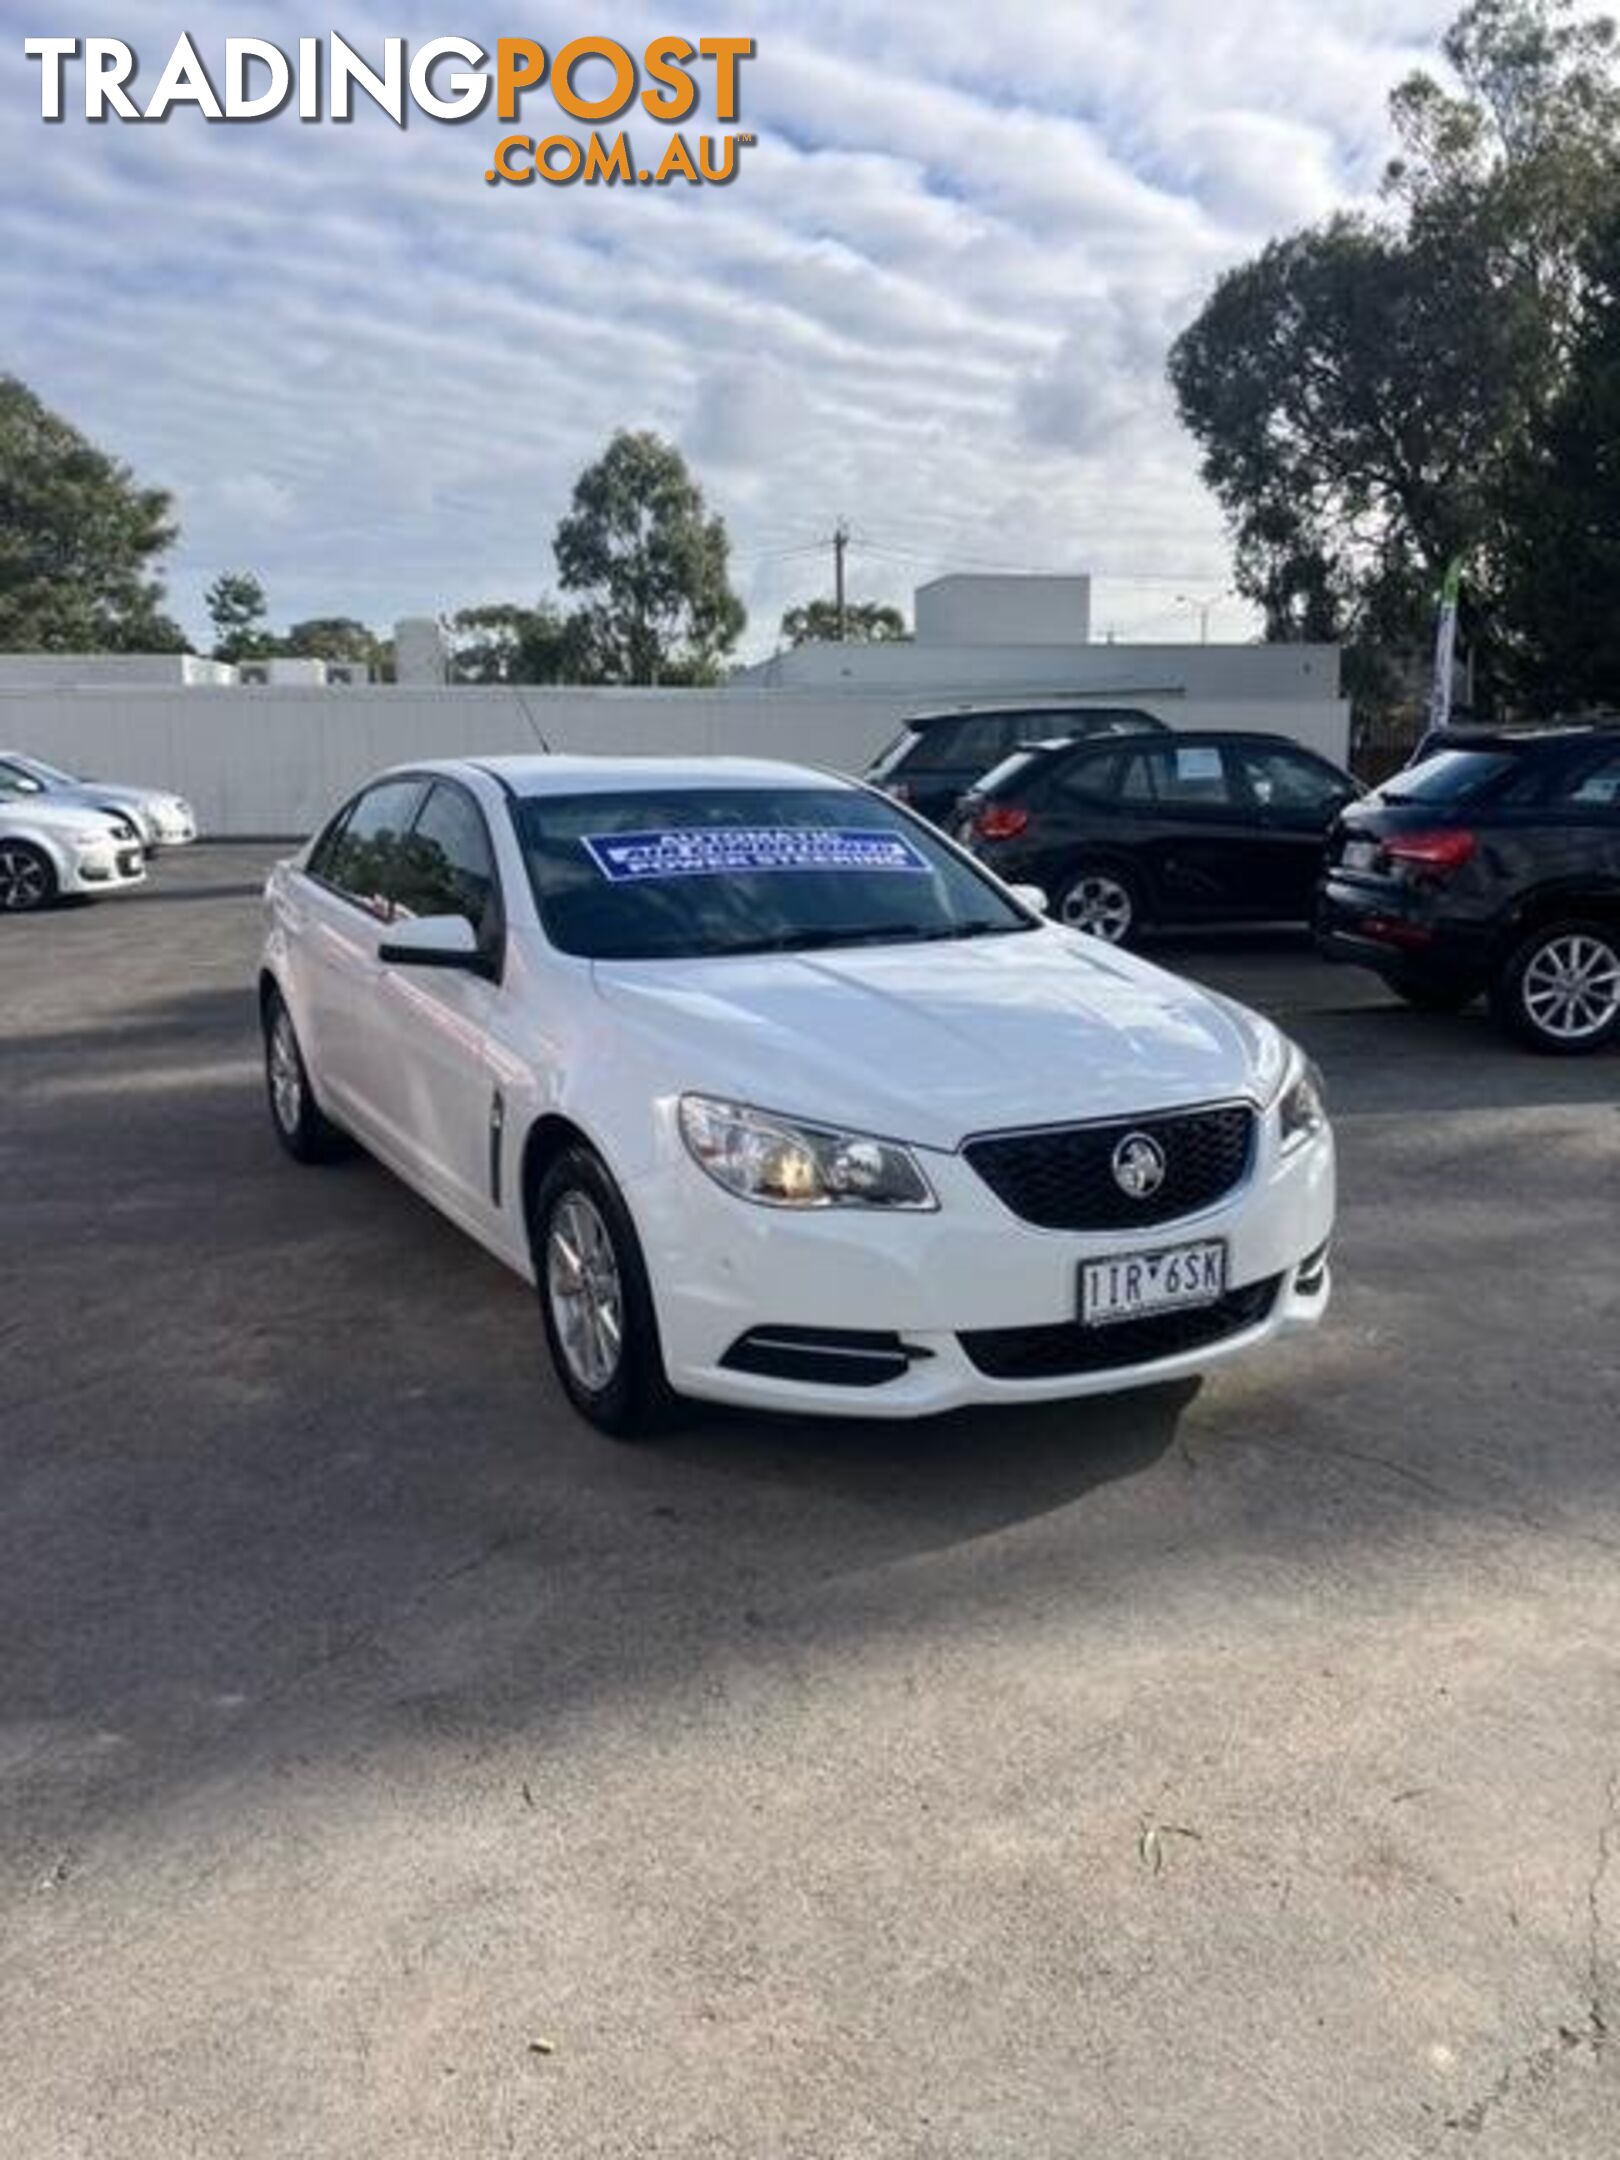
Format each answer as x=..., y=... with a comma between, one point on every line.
x=973, y=741
x=892, y=753
x=1449, y=776
x=1011, y=769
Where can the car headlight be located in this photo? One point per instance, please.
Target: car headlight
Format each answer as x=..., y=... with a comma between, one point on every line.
x=1302, y=1106
x=777, y=1162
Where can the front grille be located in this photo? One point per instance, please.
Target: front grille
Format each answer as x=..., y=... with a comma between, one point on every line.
x=1062, y=1176
x=1047, y=1353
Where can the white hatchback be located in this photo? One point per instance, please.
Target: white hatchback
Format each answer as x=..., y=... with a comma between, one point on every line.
x=780, y=1097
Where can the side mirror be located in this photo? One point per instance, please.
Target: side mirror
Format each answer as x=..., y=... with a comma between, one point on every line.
x=433, y=941
x=1032, y=896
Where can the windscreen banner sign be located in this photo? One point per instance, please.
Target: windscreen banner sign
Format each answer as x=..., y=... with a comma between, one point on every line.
x=747, y=851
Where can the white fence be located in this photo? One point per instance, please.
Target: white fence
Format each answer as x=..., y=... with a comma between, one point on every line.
x=272, y=761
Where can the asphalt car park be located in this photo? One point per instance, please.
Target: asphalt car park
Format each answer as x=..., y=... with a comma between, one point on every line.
x=389, y=1763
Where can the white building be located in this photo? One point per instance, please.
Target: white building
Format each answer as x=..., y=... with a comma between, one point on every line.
x=1003, y=608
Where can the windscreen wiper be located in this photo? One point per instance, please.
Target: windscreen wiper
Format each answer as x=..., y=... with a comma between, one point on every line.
x=824, y=939
x=976, y=929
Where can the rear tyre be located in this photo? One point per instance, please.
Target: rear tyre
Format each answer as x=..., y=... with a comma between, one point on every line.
x=1431, y=994
x=1103, y=901
x=301, y=1127
x=596, y=1301
x=1559, y=992
x=27, y=878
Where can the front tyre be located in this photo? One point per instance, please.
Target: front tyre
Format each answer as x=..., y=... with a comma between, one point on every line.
x=303, y=1130
x=1560, y=991
x=27, y=878
x=596, y=1301
x=1102, y=901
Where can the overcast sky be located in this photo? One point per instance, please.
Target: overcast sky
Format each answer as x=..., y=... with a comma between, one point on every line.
x=935, y=302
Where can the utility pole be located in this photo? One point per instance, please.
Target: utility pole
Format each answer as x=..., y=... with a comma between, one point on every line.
x=840, y=541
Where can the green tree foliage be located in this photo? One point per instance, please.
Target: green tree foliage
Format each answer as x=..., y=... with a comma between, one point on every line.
x=333, y=637
x=650, y=563
x=1561, y=546
x=1362, y=391
x=78, y=540
x=237, y=609
x=866, y=622
x=505, y=642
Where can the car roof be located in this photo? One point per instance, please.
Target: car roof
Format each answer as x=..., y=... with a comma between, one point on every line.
x=1522, y=735
x=563, y=773
x=1209, y=735
x=1054, y=706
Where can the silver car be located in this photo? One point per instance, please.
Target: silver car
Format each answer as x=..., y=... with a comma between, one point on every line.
x=52, y=849
x=162, y=820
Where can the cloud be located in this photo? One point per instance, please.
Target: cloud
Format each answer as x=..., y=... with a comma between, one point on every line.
x=936, y=300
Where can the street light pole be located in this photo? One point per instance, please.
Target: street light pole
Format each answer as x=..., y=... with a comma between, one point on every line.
x=1204, y=607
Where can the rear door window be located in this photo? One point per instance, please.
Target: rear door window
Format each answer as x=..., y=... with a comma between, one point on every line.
x=1182, y=776
x=1288, y=780
x=1094, y=778
x=1594, y=786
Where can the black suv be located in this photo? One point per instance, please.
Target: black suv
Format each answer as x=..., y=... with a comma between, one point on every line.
x=1195, y=826
x=936, y=756
x=1493, y=866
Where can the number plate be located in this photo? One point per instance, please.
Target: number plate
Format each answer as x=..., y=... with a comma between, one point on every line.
x=1360, y=854
x=1131, y=1285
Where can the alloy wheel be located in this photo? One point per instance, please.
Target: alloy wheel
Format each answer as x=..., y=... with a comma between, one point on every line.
x=24, y=880
x=286, y=1075
x=1099, y=905
x=1571, y=988
x=586, y=1294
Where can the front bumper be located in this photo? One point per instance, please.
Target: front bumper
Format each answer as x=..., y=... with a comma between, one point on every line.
x=170, y=828
x=118, y=867
x=724, y=1272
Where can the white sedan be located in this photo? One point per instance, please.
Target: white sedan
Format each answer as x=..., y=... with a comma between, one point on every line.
x=54, y=850
x=782, y=1099
x=163, y=820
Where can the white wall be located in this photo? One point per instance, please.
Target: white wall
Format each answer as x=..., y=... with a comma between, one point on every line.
x=274, y=760
x=1124, y=673
x=79, y=671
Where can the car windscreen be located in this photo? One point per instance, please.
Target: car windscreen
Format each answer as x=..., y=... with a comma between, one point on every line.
x=1448, y=776
x=667, y=873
